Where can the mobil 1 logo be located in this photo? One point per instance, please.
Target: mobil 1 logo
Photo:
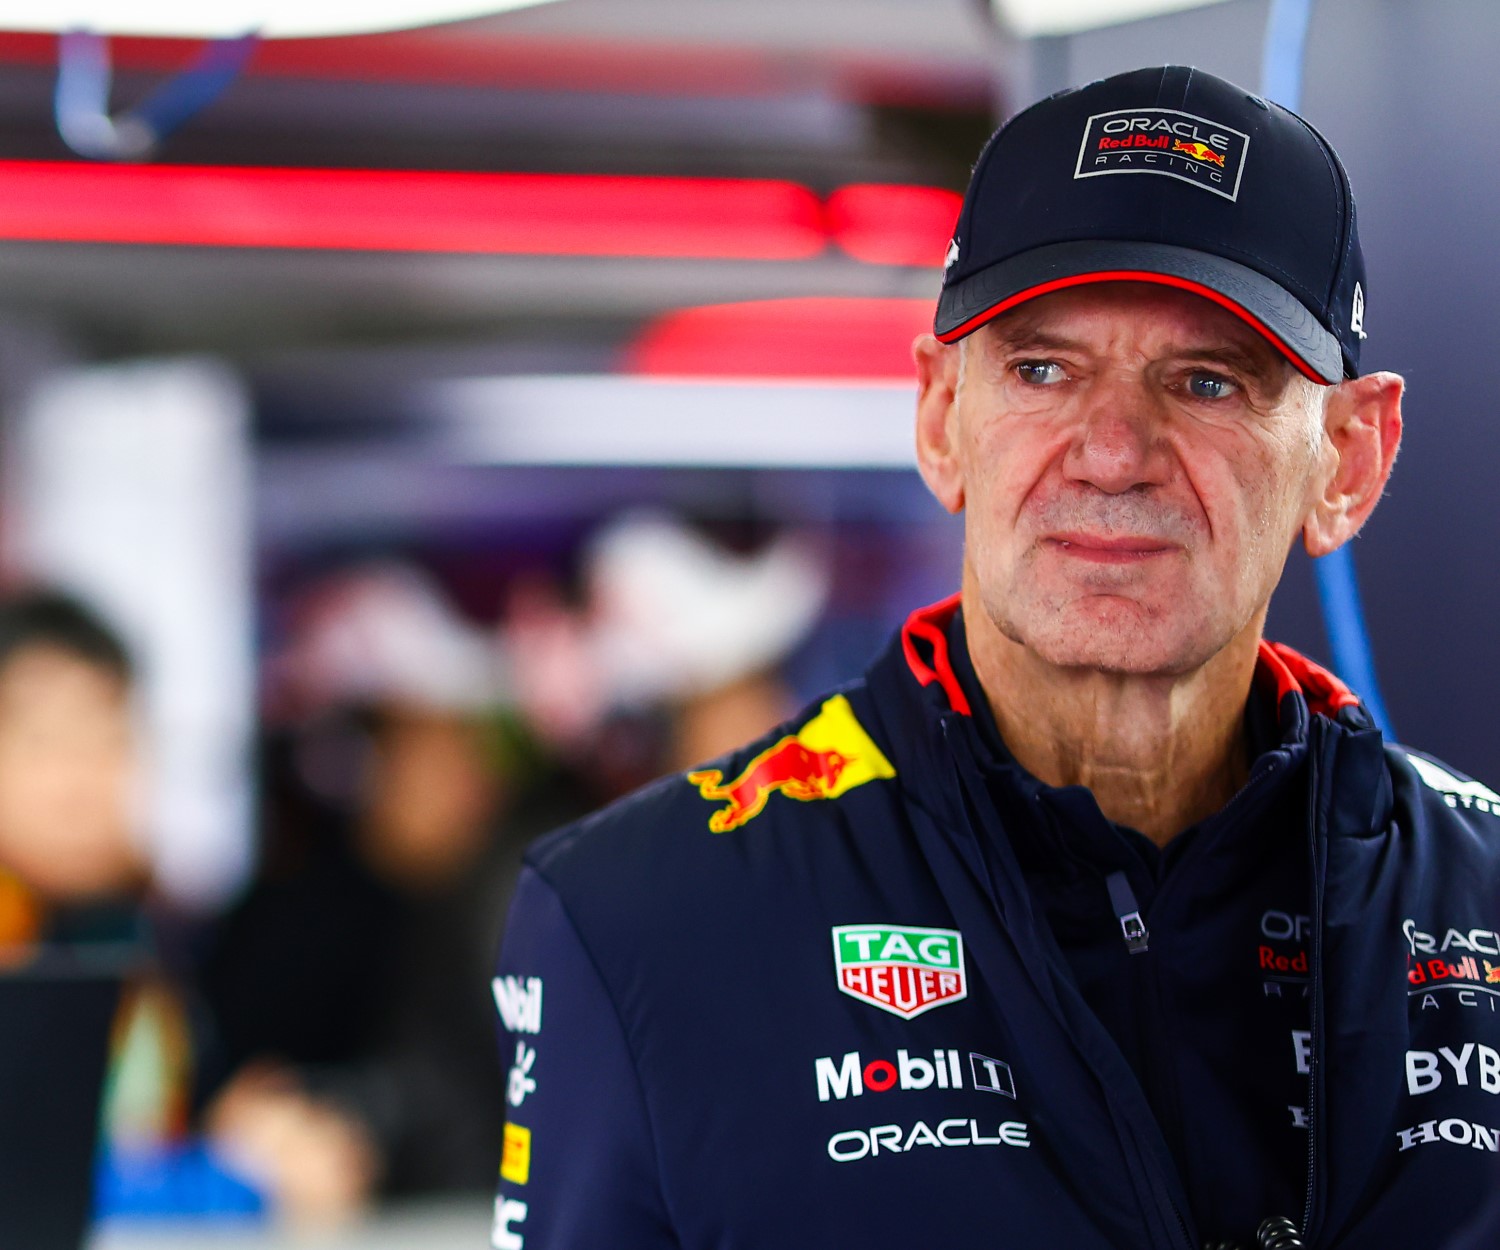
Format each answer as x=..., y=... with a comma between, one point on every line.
x=851, y=1077
x=1178, y=145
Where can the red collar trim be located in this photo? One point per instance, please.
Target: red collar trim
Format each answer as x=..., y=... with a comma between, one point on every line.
x=930, y=625
x=1291, y=671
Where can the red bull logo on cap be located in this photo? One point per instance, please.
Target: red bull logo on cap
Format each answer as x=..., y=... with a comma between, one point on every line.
x=827, y=757
x=1199, y=152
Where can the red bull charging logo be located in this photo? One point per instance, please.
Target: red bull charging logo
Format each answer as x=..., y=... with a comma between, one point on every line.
x=1199, y=152
x=827, y=757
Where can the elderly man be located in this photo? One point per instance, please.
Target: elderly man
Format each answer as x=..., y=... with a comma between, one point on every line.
x=1087, y=918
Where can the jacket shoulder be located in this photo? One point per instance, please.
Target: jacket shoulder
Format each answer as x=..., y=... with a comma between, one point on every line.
x=1429, y=782
x=1453, y=817
x=789, y=778
x=649, y=814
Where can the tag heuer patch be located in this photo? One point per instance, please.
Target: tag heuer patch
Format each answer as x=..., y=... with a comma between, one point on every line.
x=900, y=969
x=1164, y=141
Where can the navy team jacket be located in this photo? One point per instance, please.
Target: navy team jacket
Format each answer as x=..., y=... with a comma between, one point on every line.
x=865, y=983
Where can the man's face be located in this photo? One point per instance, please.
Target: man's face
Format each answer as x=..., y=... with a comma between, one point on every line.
x=1135, y=463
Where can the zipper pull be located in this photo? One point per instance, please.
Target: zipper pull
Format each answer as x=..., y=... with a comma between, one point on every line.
x=1278, y=1233
x=1122, y=899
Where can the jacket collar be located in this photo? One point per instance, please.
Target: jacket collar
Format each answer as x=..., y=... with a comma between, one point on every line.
x=925, y=644
x=918, y=680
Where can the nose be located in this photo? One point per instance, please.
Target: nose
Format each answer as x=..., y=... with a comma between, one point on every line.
x=1117, y=444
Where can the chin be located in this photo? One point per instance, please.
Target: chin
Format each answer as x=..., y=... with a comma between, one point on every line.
x=1110, y=655
x=1119, y=638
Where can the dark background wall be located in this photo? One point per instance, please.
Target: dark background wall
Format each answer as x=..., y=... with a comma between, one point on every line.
x=1408, y=92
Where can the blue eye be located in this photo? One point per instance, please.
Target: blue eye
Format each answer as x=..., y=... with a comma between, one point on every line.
x=1209, y=386
x=1039, y=372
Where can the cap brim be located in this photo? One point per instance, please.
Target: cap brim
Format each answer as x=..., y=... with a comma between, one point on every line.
x=1264, y=305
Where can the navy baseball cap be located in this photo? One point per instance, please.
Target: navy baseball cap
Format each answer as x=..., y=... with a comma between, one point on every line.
x=1173, y=176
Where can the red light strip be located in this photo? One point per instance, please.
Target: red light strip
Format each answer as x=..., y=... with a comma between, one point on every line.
x=380, y=210
x=460, y=54
x=446, y=56
x=424, y=211
x=785, y=338
x=893, y=225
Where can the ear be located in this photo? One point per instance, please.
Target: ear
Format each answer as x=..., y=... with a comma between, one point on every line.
x=1362, y=424
x=937, y=416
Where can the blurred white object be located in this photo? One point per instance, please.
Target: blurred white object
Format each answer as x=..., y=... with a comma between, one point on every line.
x=626, y=420
x=301, y=18
x=129, y=486
x=1028, y=18
x=386, y=633
x=273, y=19
x=677, y=615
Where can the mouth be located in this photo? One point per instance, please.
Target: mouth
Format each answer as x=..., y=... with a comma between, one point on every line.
x=1097, y=549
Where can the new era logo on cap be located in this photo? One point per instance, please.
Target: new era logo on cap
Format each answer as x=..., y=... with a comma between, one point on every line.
x=1206, y=153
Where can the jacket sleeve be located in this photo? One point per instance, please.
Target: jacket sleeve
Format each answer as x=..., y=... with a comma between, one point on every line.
x=579, y=1164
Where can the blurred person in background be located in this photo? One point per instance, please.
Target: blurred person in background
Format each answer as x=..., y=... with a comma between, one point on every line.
x=348, y=1034
x=75, y=882
x=348, y=1039
x=71, y=867
x=699, y=629
x=676, y=652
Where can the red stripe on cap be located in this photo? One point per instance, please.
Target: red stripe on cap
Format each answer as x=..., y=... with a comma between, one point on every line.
x=930, y=625
x=1135, y=275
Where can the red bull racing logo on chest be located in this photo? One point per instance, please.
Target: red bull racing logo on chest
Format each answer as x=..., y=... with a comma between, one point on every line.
x=900, y=969
x=1178, y=145
x=827, y=757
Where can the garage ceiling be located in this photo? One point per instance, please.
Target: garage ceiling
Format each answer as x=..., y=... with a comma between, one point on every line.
x=822, y=95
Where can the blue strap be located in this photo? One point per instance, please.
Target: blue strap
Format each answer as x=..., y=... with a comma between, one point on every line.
x=81, y=102
x=1285, y=52
x=1338, y=586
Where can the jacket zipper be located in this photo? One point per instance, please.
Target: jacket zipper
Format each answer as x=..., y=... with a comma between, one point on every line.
x=1136, y=936
x=1127, y=912
x=1167, y=1203
x=1315, y=969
